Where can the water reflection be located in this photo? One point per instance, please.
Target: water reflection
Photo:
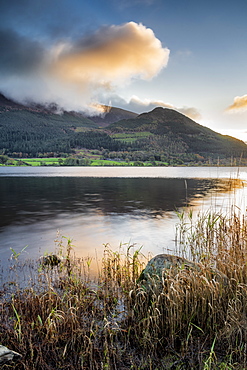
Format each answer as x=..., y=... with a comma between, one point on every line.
x=27, y=199
x=98, y=210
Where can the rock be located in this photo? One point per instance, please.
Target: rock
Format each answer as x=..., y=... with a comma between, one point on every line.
x=6, y=355
x=51, y=260
x=155, y=271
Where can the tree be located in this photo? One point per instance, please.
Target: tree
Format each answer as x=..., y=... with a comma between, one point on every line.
x=3, y=159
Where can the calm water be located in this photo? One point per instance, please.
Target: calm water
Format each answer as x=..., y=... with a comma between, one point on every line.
x=95, y=206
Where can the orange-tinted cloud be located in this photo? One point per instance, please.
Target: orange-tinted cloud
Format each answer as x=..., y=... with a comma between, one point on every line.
x=112, y=55
x=239, y=104
x=77, y=73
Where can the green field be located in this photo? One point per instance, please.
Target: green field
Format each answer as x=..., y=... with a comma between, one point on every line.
x=83, y=158
x=42, y=161
x=105, y=162
x=93, y=162
x=131, y=137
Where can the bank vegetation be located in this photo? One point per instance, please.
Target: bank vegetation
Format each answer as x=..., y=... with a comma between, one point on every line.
x=66, y=319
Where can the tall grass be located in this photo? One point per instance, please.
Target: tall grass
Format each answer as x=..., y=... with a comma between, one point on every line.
x=192, y=320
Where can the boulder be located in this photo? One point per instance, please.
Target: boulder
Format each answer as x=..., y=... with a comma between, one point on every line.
x=157, y=269
x=6, y=355
x=50, y=260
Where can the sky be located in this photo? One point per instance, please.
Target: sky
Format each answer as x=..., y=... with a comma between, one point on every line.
x=133, y=54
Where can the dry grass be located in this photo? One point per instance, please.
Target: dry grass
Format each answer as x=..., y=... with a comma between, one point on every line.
x=193, y=321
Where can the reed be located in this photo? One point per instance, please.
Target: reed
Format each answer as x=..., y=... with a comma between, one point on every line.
x=64, y=319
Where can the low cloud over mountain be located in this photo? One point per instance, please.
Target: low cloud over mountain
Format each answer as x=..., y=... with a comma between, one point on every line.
x=74, y=73
x=135, y=104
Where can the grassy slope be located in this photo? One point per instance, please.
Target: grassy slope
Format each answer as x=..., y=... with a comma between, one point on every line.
x=131, y=137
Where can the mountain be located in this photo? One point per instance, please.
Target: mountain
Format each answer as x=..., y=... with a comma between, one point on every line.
x=35, y=129
x=170, y=124
x=7, y=103
x=36, y=112
x=32, y=129
x=112, y=115
x=163, y=134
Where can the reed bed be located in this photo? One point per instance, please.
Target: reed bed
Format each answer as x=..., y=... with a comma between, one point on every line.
x=64, y=319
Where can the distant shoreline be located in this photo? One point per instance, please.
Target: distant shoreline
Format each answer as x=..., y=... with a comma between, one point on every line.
x=75, y=162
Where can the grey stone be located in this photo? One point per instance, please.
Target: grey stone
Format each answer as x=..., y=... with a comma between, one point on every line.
x=50, y=260
x=158, y=266
x=6, y=355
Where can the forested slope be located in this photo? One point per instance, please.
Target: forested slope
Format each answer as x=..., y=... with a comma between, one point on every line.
x=170, y=127
x=163, y=135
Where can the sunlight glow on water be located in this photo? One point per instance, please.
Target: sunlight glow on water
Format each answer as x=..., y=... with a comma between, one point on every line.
x=170, y=172
x=96, y=206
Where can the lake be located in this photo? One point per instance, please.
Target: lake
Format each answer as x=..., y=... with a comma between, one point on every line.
x=99, y=205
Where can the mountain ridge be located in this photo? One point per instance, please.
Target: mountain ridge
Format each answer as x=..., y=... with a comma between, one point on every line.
x=161, y=133
x=169, y=122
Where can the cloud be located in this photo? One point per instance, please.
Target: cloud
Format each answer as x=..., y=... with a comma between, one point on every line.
x=239, y=104
x=111, y=55
x=137, y=105
x=18, y=54
x=75, y=73
x=191, y=112
x=140, y=105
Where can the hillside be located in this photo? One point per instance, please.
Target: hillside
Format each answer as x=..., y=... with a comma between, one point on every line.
x=170, y=125
x=112, y=115
x=162, y=136
x=7, y=103
x=35, y=129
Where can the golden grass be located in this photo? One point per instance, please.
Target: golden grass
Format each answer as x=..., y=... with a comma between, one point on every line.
x=191, y=321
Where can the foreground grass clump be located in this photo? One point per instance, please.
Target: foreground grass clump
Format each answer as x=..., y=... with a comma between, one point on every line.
x=190, y=321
